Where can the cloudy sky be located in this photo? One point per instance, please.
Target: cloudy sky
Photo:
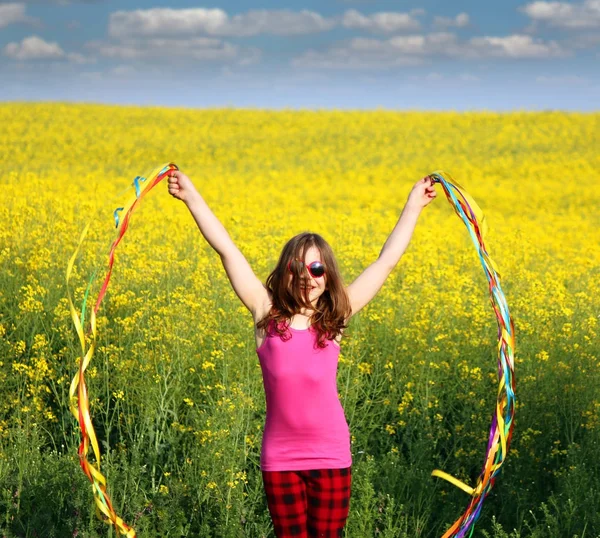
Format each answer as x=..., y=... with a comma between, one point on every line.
x=431, y=54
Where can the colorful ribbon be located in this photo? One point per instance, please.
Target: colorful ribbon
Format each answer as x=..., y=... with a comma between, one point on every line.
x=78, y=394
x=503, y=419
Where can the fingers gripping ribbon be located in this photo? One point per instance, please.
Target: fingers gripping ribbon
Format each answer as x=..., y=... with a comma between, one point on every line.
x=78, y=394
x=502, y=420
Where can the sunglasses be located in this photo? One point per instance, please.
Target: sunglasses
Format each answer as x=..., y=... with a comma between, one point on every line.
x=316, y=269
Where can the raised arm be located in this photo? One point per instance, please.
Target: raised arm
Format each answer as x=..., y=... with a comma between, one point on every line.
x=369, y=282
x=245, y=283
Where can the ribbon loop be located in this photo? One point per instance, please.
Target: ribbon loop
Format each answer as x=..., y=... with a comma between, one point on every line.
x=78, y=393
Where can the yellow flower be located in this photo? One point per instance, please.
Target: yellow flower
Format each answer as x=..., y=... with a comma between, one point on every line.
x=365, y=368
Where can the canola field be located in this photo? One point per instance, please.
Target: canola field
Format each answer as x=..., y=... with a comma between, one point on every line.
x=175, y=384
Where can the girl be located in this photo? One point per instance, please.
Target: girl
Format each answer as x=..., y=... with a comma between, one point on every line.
x=299, y=316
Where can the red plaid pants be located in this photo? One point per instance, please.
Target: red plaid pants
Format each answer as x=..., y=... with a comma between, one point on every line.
x=308, y=503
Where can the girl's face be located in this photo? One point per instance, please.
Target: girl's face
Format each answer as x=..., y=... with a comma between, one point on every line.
x=315, y=286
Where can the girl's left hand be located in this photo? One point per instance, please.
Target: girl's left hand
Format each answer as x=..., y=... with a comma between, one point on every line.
x=422, y=193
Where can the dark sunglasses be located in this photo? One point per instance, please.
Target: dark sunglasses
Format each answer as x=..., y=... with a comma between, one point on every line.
x=316, y=269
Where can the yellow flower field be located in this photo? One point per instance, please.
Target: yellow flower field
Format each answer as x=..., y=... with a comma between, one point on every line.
x=175, y=384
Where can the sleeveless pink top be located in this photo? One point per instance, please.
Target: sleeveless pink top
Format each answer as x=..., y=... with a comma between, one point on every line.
x=305, y=428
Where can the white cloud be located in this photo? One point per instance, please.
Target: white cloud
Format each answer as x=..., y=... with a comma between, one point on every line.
x=565, y=15
x=215, y=22
x=515, y=46
x=167, y=48
x=182, y=34
x=282, y=22
x=359, y=53
x=380, y=22
x=36, y=48
x=159, y=21
x=437, y=43
x=13, y=13
x=440, y=43
x=415, y=49
x=460, y=21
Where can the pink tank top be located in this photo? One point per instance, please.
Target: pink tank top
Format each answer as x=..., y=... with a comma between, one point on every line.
x=305, y=428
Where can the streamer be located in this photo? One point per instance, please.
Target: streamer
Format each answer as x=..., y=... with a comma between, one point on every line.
x=503, y=419
x=78, y=393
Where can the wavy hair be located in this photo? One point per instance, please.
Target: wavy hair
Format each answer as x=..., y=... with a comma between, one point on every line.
x=332, y=310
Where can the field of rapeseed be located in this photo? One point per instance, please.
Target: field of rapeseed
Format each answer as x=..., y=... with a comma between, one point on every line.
x=175, y=385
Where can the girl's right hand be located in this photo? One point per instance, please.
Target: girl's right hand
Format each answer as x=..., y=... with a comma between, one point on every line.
x=180, y=186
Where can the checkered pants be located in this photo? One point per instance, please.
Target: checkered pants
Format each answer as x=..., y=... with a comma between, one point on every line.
x=308, y=503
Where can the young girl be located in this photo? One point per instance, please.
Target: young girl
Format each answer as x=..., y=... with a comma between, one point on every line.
x=299, y=316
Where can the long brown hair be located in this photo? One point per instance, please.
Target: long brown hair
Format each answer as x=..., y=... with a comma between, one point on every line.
x=332, y=310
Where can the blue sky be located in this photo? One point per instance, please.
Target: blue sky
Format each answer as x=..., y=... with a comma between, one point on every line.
x=345, y=54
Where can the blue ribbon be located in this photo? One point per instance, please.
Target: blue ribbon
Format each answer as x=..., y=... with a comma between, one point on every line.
x=116, y=215
x=136, y=184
